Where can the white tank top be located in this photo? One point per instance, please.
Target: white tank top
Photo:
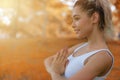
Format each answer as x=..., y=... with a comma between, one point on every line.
x=77, y=63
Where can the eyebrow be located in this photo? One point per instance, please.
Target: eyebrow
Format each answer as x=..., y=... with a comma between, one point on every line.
x=75, y=15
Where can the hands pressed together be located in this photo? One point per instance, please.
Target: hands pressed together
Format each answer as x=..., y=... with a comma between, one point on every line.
x=56, y=64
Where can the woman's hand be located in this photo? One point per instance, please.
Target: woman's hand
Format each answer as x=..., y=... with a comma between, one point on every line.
x=56, y=63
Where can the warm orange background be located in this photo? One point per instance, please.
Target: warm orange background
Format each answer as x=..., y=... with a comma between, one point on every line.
x=22, y=59
x=29, y=32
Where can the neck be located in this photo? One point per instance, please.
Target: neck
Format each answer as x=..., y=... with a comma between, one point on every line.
x=96, y=39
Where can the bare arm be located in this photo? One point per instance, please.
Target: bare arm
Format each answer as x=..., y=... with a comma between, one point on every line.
x=94, y=67
x=98, y=63
x=55, y=60
x=55, y=65
x=55, y=76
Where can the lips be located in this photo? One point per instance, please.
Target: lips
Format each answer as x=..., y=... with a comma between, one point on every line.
x=76, y=30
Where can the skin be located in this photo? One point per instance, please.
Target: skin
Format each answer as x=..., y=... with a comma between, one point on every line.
x=96, y=65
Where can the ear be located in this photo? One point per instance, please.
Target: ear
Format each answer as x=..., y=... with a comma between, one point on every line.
x=95, y=17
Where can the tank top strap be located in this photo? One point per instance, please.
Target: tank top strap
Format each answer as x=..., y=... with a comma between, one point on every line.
x=87, y=55
x=80, y=47
x=70, y=57
x=109, y=52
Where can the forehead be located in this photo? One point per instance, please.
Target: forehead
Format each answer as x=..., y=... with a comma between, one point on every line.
x=77, y=11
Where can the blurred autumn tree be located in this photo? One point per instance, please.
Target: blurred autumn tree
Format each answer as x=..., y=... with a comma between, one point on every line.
x=35, y=18
x=116, y=19
x=39, y=18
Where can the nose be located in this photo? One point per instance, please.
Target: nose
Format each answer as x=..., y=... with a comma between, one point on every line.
x=73, y=24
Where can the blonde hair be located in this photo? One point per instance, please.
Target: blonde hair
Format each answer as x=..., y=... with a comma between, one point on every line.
x=102, y=7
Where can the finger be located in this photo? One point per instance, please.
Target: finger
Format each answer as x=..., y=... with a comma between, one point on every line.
x=67, y=51
x=61, y=55
x=57, y=56
x=66, y=62
x=64, y=55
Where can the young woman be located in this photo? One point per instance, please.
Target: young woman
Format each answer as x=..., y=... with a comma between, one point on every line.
x=91, y=60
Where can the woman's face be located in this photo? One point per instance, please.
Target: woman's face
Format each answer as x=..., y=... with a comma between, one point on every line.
x=82, y=23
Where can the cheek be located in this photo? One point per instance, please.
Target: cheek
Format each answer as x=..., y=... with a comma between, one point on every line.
x=85, y=29
x=80, y=24
x=84, y=21
x=88, y=28
x=85, y=32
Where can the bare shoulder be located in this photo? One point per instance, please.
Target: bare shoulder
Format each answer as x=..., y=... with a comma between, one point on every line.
x=71, y=49
x=97, y=65
x=103, y=57
x=102, y=62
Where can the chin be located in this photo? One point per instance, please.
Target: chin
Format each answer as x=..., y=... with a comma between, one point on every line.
x=81, y=37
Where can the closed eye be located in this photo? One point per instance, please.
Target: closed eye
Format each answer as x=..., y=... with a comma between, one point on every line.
x=76, y=18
